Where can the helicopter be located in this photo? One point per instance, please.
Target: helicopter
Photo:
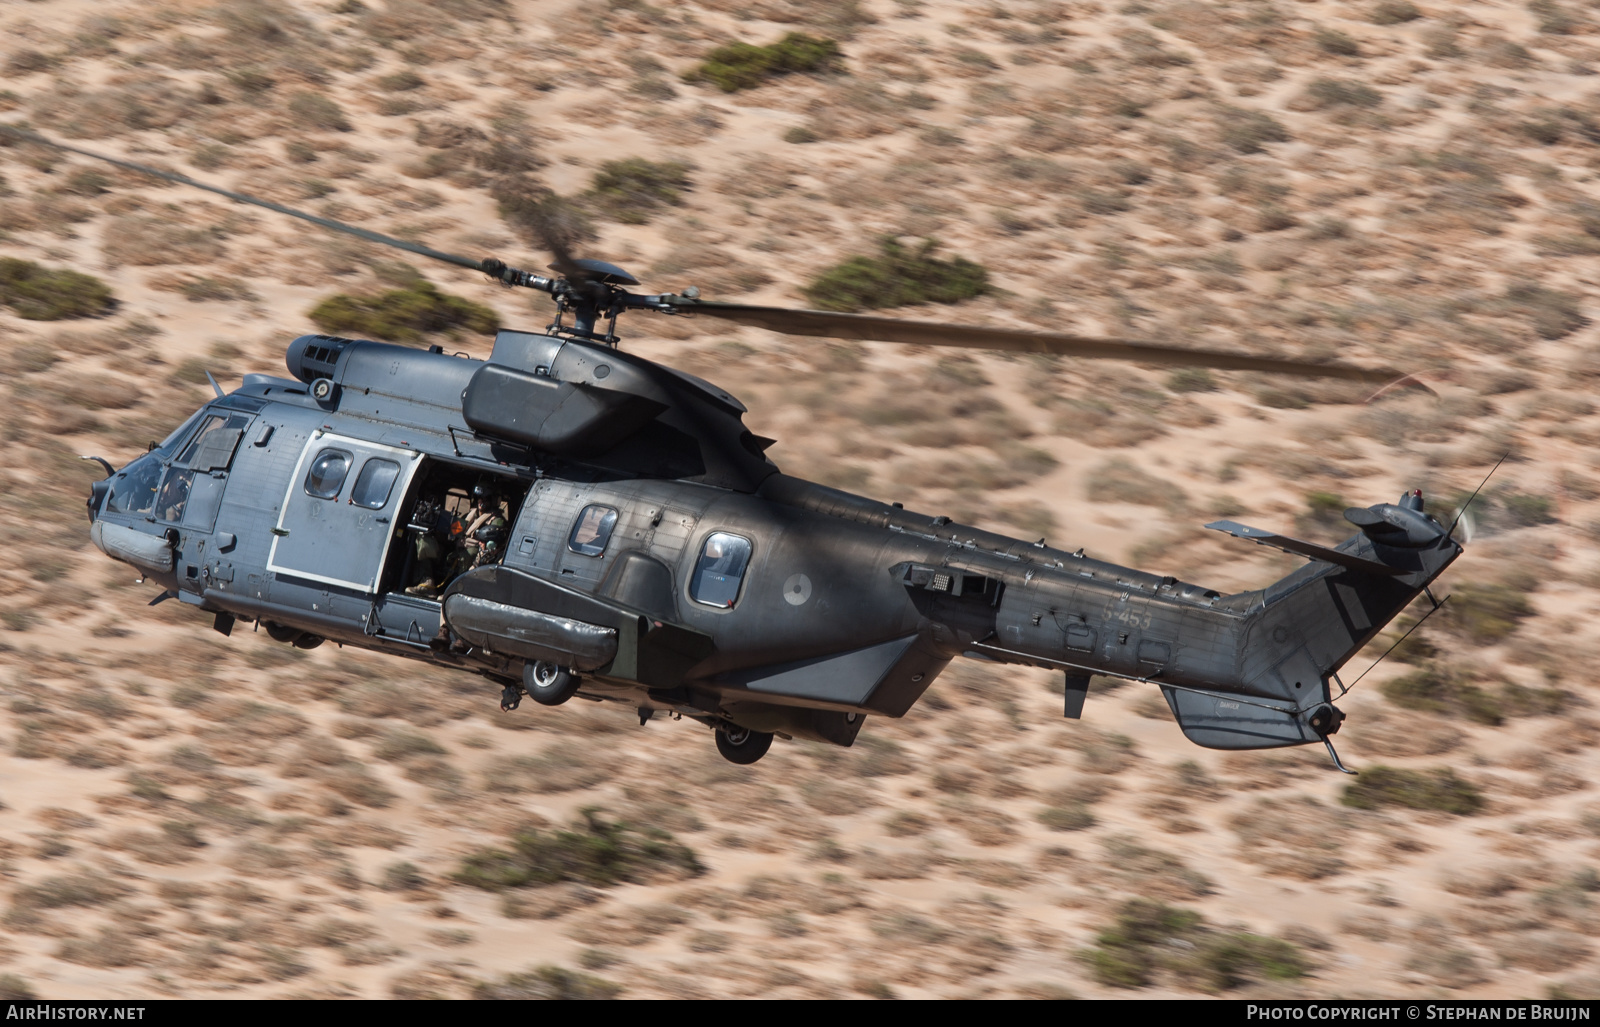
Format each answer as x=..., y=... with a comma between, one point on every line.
x=630, y=542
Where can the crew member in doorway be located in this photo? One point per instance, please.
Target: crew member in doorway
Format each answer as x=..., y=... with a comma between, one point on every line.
x=484, y=539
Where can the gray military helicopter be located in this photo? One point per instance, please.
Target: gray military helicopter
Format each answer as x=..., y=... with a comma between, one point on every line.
x=652, y=555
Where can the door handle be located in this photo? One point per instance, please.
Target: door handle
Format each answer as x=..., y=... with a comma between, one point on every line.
x=281, y=532
x=381, y=520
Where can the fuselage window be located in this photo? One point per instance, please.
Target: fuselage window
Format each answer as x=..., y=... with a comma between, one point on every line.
x=327, y=474
x=593, y=530
x=721, y=569
x=373, y=484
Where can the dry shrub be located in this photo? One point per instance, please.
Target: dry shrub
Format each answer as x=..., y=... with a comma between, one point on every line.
x=409, y=701
x=1100, y=752
x=1544, y=951
x=1450, y=965
x=1371, y=926
x=1155, y=873
x=1120, y=481
x=110, y=948
x=547, y=982
x=836, y=798
x=1408, y=736
x=130, y=103
x=1484, y=882
x=432, y=981
x=637, y=926
x=760, y=178
x=146, y=241
x=548, y=903
x=893, y=866
x=855, y=110
x=983, y=825
x=353, y=782
x=1294, y=837
x=906, y=824
x=1106, y=425
x=563, y=767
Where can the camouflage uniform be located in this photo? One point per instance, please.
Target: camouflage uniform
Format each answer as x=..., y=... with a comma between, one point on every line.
x=482, y=542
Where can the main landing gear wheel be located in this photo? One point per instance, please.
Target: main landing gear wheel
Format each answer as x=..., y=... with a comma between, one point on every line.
x=547, y=684
x=294, y=636
x=741, y=745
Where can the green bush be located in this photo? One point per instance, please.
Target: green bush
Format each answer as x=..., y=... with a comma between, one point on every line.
x=1434, y=689
x=745, y=66
x=1527, y=510
x=15, y=989
x=897, y=277
x=1486, y=614
x=1074, y=816
x=633, y=190
x=403, y=315
x=1148, y=938
x=1439, y=789
x=1192, y=379
x=38, y=293
x=596, y=852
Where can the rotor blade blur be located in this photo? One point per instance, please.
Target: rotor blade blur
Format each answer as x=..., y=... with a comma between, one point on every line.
x=328, y=223
x=868, y=328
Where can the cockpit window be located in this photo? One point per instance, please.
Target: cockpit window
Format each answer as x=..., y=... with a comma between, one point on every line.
x=593, y=530
x=179, y=434
x=213, y=445
x=374, y=483
x=134, y=490
x=327, y=474
x=174, y=494
x=720, y=571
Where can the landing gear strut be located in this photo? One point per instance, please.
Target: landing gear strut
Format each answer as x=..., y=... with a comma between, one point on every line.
x=741, y=745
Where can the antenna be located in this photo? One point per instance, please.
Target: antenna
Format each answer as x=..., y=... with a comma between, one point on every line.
x=1462, y=512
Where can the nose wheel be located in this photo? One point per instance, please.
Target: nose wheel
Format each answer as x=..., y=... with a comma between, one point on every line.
x=741, y=745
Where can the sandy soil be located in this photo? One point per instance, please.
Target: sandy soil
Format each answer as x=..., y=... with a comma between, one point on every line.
x=183, y=814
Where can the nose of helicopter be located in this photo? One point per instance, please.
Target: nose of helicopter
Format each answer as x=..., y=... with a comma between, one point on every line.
x=97, y=498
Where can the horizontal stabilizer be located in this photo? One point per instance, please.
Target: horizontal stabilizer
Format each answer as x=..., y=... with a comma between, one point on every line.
x=1302, y=548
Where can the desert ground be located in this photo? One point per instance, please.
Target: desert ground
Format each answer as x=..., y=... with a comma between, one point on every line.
x=183, y=814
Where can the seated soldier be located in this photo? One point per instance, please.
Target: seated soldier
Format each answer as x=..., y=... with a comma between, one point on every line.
x=483, y=537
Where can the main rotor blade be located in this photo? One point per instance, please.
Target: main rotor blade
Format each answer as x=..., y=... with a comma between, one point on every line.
x=869, y=328
x=328, y=223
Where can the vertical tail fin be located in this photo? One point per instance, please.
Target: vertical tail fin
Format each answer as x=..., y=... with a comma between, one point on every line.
x=1301, y=629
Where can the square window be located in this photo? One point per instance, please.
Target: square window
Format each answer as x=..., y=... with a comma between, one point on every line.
x=592, y=531
x=720, y=569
